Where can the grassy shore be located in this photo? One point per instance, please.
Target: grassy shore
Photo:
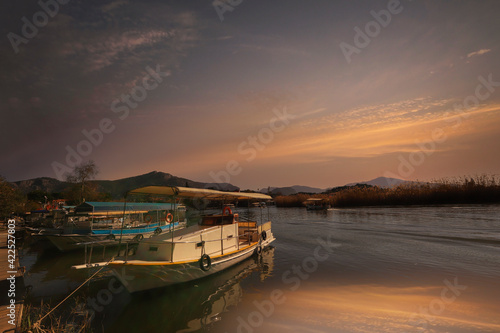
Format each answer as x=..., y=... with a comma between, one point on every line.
x=76, y=319
x=464, y=190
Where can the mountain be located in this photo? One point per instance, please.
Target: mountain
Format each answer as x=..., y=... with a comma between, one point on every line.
x=292, y=190
x=45, y=184
x=117, y=188
x=381, y=182
x=288, y=190
x=308, y=189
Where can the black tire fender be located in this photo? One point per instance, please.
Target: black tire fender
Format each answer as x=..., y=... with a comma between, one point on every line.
x=205, y=262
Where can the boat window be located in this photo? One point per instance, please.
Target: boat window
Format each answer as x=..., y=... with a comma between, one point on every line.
x=218, y=219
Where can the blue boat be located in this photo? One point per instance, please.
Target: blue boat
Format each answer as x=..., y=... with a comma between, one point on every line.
x=108, y=223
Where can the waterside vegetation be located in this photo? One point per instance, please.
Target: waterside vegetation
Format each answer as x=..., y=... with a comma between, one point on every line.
x=464, y=190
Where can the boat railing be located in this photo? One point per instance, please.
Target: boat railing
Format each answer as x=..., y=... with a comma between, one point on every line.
x=247, y=238
x=194, y=241
x=246, y=235
x=246, y=228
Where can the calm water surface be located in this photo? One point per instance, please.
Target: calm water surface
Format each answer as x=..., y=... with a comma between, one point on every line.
x=405, y=269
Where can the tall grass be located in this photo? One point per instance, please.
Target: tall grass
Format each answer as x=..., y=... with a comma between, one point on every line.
x=77, y=319
x=463, y=190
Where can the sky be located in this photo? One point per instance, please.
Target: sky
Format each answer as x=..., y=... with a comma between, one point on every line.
x=255, y=93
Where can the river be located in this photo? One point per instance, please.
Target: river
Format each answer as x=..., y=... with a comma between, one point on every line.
x=387, y=269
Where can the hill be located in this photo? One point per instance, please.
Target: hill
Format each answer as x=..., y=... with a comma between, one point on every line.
x=117, y=188
x=44, y=184
x=292, y=190
x=383, y=182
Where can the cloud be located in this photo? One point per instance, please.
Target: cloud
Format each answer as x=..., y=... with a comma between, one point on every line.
x=380, y=129
x=478, y=53
x=225, y=37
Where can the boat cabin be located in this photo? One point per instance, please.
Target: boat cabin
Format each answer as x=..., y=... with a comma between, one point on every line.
x=219, y=219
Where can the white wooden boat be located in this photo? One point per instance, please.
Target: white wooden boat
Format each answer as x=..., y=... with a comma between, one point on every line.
x=216, y=243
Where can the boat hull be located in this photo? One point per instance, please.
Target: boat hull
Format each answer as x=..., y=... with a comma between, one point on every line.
x=142, y=276
x=65, y=242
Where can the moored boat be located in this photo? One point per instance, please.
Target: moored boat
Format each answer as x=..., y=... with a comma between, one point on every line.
x=108, y=223
x=219, y=241
x=316, y=204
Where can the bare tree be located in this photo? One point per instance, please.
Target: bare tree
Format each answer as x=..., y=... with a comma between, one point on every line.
x=11, y=199
x=81, y=175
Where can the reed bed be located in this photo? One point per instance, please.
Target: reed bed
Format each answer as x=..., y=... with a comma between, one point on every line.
x=463, y=190
x=77, y=319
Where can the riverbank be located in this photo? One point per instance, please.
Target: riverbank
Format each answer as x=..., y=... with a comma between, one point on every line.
x=466, y=190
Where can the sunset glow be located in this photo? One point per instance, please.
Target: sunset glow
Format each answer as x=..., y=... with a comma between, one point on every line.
x=186, y=93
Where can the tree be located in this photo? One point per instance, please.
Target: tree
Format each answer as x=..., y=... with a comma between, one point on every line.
x=80, y=177
x=39, y=196
x=11, y=199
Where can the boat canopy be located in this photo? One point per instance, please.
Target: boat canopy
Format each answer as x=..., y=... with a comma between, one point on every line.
x=110, y=208
x=188, y=192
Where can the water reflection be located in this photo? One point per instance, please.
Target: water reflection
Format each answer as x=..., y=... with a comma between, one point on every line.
x=387, y=267
x=189, y=307
x=49, y=271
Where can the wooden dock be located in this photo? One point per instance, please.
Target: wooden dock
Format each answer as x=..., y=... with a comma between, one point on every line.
x=8, y=317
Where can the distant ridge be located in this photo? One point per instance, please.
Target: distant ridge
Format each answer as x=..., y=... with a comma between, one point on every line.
x=118, y=188
x=292, y=190
x=383, y=182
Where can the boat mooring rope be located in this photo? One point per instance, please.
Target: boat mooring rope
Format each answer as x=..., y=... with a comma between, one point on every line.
x=37, y=323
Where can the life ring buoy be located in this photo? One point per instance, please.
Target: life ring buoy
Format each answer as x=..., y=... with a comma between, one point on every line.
x=263, y=235
x=227, y=209
x=138, y=237
x=158, y=231
x=205, y=262
x=148, y=218
x=169, y=218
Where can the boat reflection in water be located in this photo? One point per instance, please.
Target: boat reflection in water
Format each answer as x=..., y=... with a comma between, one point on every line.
x=192, y=306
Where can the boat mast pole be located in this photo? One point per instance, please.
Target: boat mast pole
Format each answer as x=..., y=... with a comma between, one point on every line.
x=221, y=225
x=261, y=214
x=92, y=222
x=172, y=232
x=123, y=223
